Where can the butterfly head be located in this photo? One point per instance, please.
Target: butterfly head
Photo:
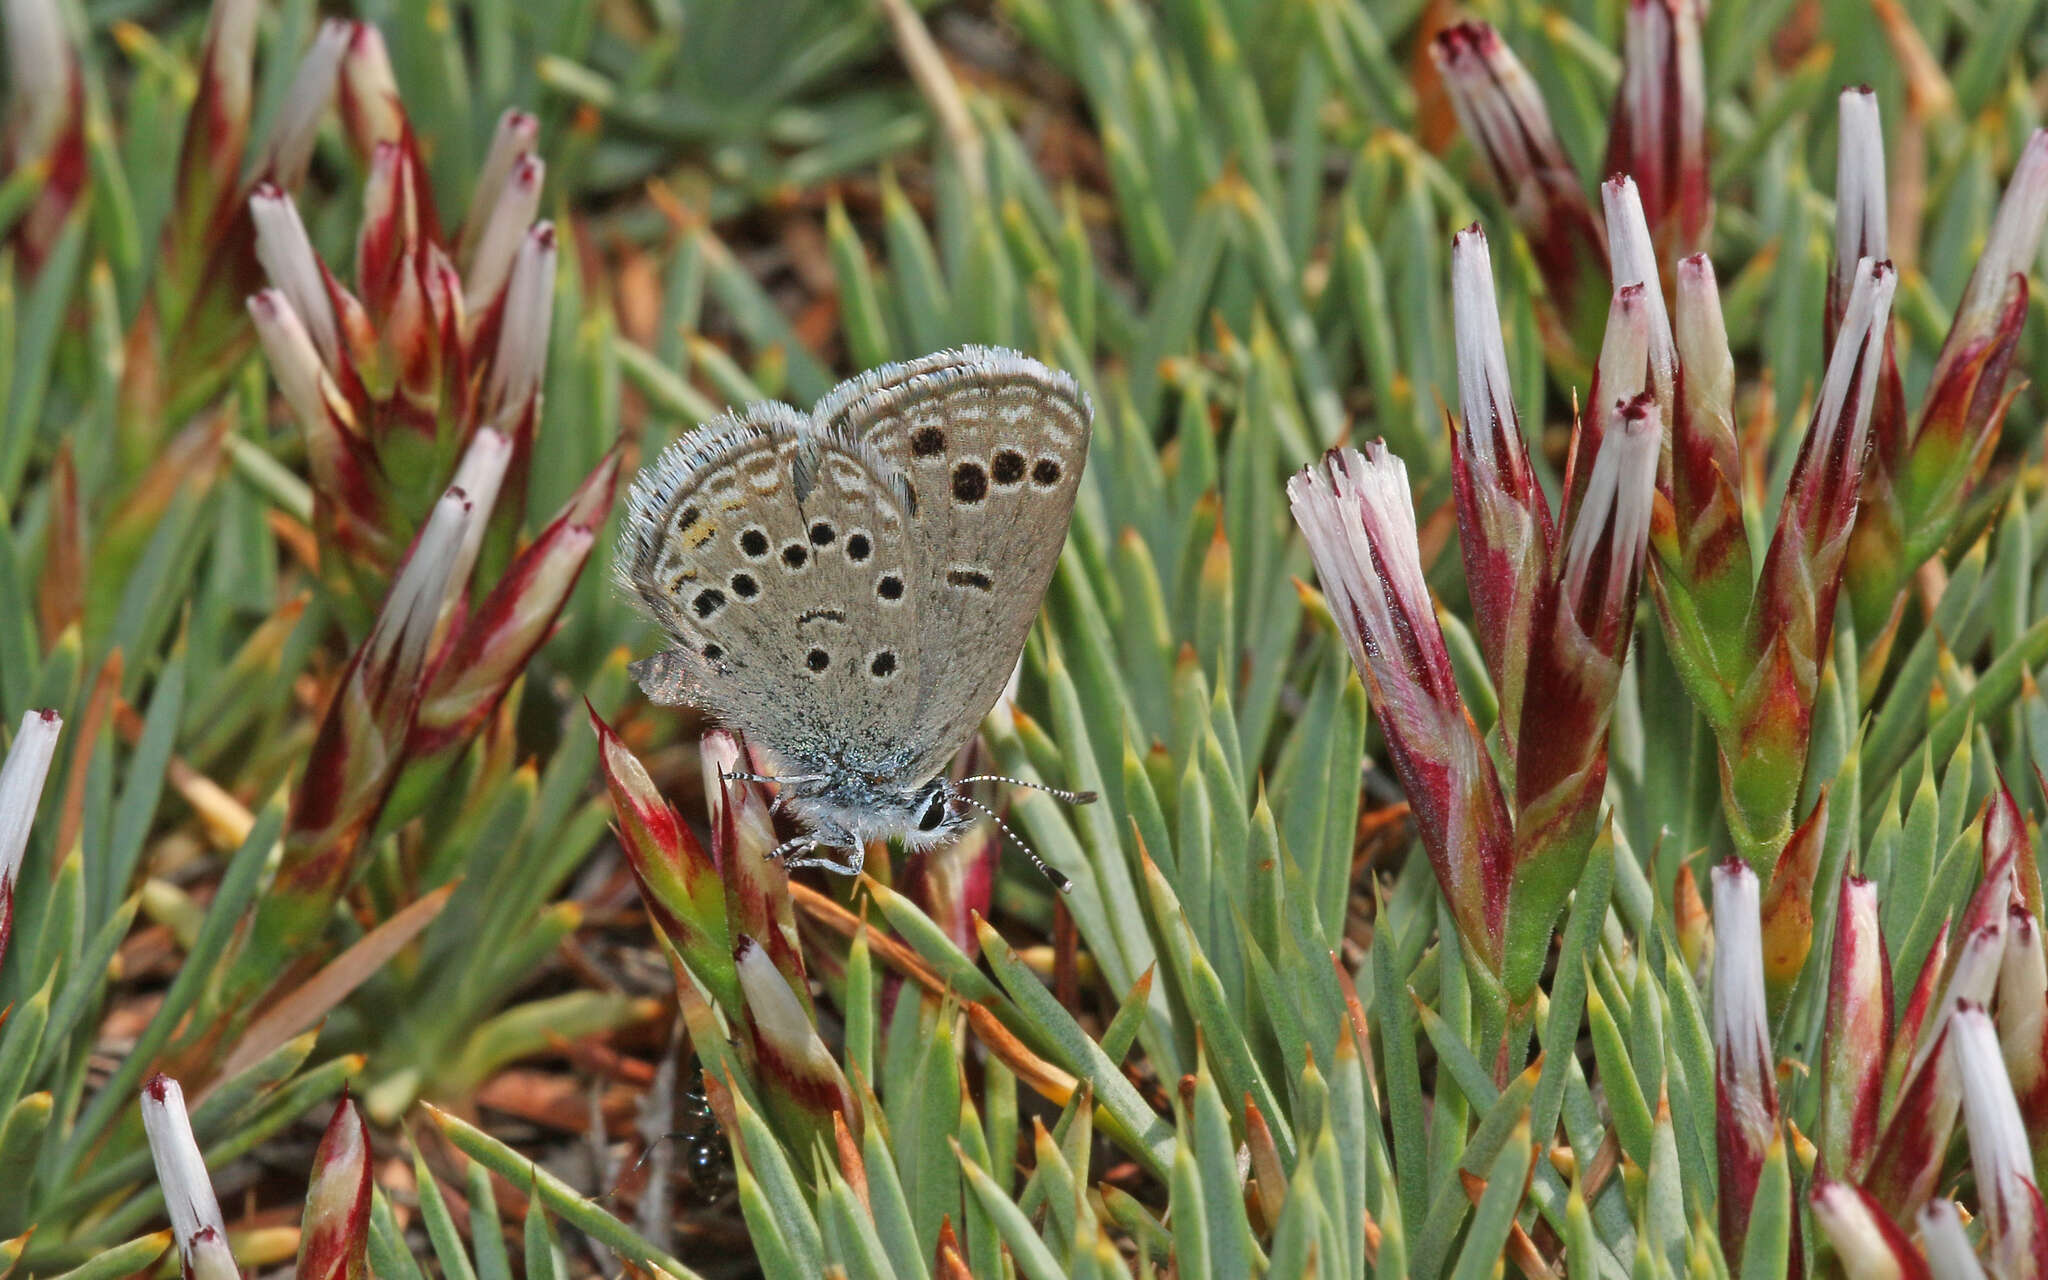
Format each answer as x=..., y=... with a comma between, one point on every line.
x=847, y=812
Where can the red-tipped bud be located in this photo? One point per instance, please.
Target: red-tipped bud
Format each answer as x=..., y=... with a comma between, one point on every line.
x=2009, y=251
x=1794, y=610
x=1659, y=133
x=1919, y=488
x=397, y=648
x=44, y=123
x=515, y=619
x=21, y=789
x=480, y=474
x=1603, y=556
x=678, y=882
x=742, y=842
x=217, y=131
x=1706, y=467
x=1359, y=521
x=1859, y=1030
x=335, y=1237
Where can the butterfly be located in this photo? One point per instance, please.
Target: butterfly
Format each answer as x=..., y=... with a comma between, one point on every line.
x=851, y=589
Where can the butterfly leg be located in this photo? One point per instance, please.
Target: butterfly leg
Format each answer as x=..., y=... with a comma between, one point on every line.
x=787, y=853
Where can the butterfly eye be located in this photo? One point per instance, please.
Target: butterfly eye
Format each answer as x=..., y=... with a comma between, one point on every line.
x=934, y=813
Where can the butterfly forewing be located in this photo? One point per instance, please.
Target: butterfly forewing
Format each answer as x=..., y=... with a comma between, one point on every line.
x=993, y=445
x=781, y=558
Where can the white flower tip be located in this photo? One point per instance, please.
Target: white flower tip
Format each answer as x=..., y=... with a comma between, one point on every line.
x=1486, y=398
x=527, y=175
x=287, y=257
x=778, y=1016
x=1699, y=331
x=1631, y=252
x=1615, y=510
x=21, y=785
x=1998, y=1136
x=40, y=60
x=412, y=608
x=521, y=359
x=718, y=753
x=367, y=63
x=2015, y=233
x=180, y=1169
x=1859, y=184
x=1464, y=45
x=523, y=127
x=478, y=478
x=1857, y=354
x=298, y=120
x=1739, y=1011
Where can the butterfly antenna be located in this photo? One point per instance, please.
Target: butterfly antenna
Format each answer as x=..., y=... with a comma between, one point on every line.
x=1059, y=881
x=1057, y=793
x=741, y=775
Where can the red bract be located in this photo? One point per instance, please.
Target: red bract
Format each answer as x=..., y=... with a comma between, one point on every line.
x=334, y=1237
x=802, y=1081
x=1909, y=1156
x=1865, y=1238
x=679, y=882
x=1859, y=1031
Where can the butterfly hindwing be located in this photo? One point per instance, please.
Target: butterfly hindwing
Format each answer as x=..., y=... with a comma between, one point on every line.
x=781, y=559
x=992, y=444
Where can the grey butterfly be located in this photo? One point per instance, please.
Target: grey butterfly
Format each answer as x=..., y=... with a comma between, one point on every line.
x=851, y=589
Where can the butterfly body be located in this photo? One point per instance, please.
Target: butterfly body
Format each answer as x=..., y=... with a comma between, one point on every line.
x=851, y=588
